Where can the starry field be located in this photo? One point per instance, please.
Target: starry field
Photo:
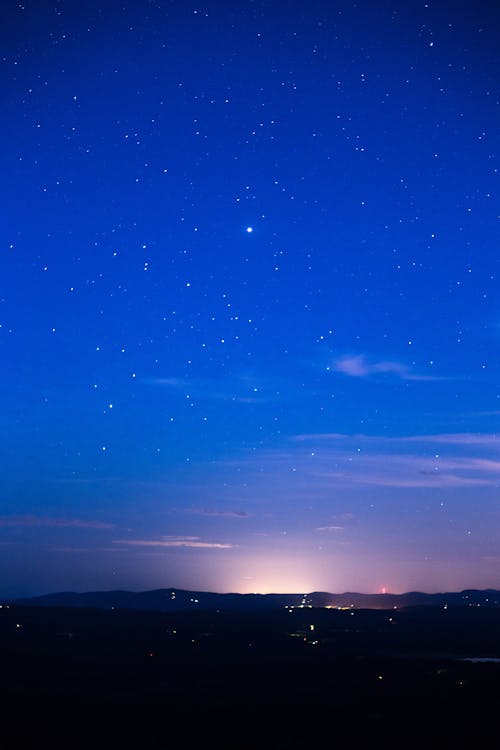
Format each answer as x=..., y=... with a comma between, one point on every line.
x=249, y=310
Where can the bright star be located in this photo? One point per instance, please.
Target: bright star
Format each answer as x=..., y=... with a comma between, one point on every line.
x=249, y=230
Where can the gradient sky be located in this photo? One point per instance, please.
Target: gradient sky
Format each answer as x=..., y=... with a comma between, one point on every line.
x=249, y=308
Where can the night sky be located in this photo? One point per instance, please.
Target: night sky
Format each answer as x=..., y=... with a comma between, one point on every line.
x=249, y=308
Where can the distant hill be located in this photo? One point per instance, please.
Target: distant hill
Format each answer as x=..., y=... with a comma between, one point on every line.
x=179, y=600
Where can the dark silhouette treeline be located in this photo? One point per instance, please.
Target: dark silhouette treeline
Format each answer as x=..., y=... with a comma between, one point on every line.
x=173, y=600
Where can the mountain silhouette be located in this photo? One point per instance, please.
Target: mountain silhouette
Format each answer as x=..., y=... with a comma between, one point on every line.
x=180, y=600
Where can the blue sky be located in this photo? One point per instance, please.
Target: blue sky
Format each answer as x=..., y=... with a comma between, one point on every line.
x=248, y=296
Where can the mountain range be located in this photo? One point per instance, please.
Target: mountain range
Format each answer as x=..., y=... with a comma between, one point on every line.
x=180, y=600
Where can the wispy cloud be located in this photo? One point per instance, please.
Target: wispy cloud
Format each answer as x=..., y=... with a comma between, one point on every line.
x=319, y=463
x=409, y=474
x=359, y=366
x=173, y=382
x=377, y=466
x=330, y=528
x=31, y=520
x=487, y=439
x=458, y=438
x=308, y=436
x=220, y=513
x=241, y=389
x=174, y=541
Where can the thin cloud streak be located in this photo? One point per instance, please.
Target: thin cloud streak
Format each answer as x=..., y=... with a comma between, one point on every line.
x=458, y=438
x=220, y=513
x=242, y=389
x=330, y=528
x=189, y=542
x=425, y=480
x=33, y=521
x=359, y=366
x=410, y=470
x=327, y=461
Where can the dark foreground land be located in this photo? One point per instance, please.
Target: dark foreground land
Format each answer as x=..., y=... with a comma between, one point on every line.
x=84, y=678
